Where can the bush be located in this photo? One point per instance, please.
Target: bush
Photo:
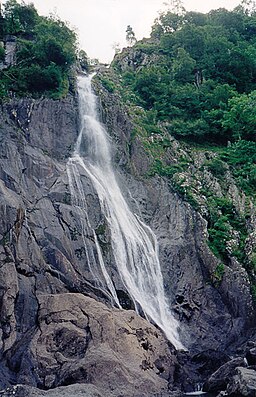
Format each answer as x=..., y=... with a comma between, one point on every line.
x=241, y=156
x=108, y=84
x=217, y=167
x=41, y=80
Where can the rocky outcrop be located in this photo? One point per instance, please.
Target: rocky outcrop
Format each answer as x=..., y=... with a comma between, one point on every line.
x=10, y=47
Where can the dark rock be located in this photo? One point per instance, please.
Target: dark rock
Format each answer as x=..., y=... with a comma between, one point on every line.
x=195, y=369
x=251, y=356
x=219, y=380
x=243, y=384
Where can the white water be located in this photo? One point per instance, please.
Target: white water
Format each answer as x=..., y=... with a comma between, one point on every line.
x=134, y=244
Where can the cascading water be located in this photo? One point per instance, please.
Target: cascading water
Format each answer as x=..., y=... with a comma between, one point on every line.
x=133, y=243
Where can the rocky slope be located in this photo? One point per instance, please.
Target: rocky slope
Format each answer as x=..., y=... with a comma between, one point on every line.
x=57, y=327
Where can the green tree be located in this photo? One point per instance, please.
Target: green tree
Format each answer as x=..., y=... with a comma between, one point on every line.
x=240, y=117
x=168, y=22
x=151, y=84
x=130, y=35
x=84, y=60
x=183, y=67
x=19, y=18
x=46, y=49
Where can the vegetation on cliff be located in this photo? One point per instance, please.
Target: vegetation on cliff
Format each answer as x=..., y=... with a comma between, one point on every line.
x=46, y=50
x=194, y=81
x=202, y=74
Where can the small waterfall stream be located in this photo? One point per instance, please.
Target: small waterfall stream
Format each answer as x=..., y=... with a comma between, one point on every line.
x=134, y=245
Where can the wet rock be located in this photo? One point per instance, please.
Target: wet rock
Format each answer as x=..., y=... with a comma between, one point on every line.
x=193, y=370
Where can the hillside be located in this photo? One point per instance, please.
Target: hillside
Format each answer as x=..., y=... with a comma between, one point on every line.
x=190, y=90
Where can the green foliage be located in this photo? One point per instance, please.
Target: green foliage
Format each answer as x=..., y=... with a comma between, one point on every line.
x=84, y=60
x=217, y=167
x=19, y=18
x=150, y=85
x=167, y=23
x=145, y=47
x=46, y=49
x=219, y=235
x=165, y=170
x=108, y=84
x=130, y=36
x=240, y=118
x=183, y=66
x=218, y=274
x=253, y=289
x=222, y=219
x=241, y=157
x=203, y=79
x=2, y=53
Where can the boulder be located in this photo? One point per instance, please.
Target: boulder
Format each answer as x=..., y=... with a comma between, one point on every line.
x=219, y=380
x=80, y=340
x=243, y=384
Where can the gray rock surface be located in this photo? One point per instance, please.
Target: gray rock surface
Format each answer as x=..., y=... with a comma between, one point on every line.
x=77, y=390
x=80, y=340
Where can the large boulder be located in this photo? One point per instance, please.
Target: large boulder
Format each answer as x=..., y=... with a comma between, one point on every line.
x=219, y=379
x=80, y=340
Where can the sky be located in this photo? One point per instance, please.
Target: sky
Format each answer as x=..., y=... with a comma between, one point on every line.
x=101, y=24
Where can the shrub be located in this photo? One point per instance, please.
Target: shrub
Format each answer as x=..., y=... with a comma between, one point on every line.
x=216, y=167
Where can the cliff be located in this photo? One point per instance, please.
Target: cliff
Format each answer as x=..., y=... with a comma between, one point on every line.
x=57, y=326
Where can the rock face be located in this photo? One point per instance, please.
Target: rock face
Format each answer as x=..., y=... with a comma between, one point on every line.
x=57, y=327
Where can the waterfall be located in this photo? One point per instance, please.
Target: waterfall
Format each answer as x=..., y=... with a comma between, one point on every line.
x=134, y=245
